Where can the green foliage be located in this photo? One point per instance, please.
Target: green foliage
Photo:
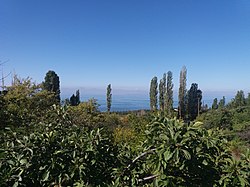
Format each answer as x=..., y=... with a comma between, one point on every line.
x=3, y=106
x=218, y=119
x=169, y=95
x=42, y=144
x=179, y=154
x=248, y=100
x=194, y=101
x=153, y=94
x=215, y=104
x=52, y=84
x=109, y=97
x=162, y=92
x=57, y=154
x=25, y=103
x=238, y=101
x=222, y=102
x=182, y=94
x=75, y=99
x=130, y=130
x=235, y=171
x=86, y=114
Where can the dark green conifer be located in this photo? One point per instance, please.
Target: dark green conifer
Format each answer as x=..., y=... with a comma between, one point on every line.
x=109, y=97
x=153, y=94
x=182, y=93
x=168, y=100
x=52, y=84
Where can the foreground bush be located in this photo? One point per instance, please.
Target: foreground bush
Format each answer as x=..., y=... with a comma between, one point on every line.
x=56, y=154
x=180, y=154
x=173, y=153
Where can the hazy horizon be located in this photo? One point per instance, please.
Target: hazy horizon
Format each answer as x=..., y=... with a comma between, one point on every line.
x=129, y=99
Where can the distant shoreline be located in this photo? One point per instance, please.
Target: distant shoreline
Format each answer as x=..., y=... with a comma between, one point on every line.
x=132, y=102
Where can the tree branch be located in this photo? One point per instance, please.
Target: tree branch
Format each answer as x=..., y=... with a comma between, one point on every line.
x=148, y=178
x=4, y=77
x=140, y=156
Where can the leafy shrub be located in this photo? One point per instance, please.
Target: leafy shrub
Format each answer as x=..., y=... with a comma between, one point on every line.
x=57, y=154
x=180, y=154
x=221, y=118
x=25, y=103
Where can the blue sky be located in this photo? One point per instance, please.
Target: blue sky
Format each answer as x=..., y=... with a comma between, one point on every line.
x=91, y=43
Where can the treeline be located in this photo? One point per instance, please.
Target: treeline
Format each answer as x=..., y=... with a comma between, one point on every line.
x=233, y=115
x=45, y=143
x=238, y=101
x=189, y=101
x=52, y=84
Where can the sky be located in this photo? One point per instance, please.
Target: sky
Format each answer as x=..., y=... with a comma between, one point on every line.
x=93, y=43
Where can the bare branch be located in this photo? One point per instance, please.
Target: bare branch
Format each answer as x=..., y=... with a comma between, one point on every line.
x=4, y=62
x=5, y=77
x=140, y=156
x=148, y=178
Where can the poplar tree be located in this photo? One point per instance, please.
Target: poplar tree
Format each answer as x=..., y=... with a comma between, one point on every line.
x=169, y=94
x=52, y=84
x=162, y=92
x=182, y=93
x=77, y=97
x=222, y=102
x=215, y=104
x=109, y=97
x=248, y=99
x=153, y=94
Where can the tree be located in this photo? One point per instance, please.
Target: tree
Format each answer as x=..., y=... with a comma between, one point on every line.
x=75, y=99
x=162, y=92
x=72, y=100
x=194, y=101
x=78, y=97
x=109, y=97
x=239, y=99
x=248, y=99
x=215, y=104
x=184, y=154
x=52, y=84
x=153, y=94
x=182, y=93
x=26, y=102
x=169, y=94
x=222, y=102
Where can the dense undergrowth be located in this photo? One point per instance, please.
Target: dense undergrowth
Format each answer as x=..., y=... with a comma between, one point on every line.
x=43, y=144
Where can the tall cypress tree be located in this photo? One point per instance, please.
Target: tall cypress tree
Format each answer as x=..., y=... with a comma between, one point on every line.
x=109, y=97
x=75, y=99
x=215, y=104
x=52, y=84
x=72, y=100
x=162, y=92
x=222, y=102
x=169, y=94
x=194, y=101
x=182, y=93
x=153, y=94
x=248, y=99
